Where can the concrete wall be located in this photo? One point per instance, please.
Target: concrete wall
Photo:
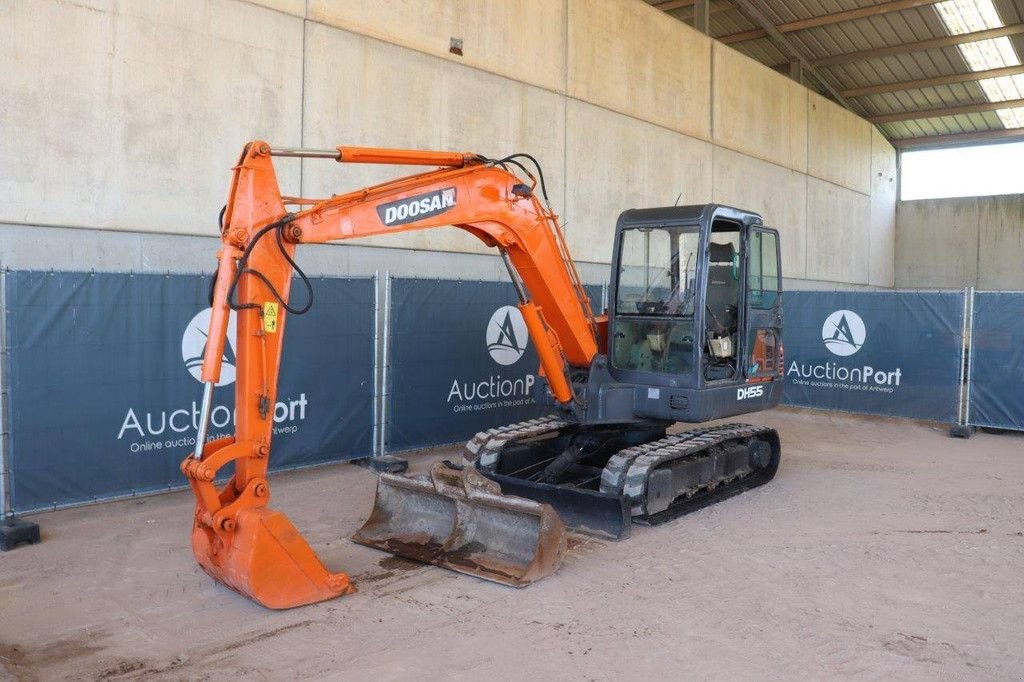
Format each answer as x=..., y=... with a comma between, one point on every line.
x=126, y=118
x=967, y=241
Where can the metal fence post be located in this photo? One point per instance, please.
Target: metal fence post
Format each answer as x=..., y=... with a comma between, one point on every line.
x=13, y=531
x=385, y=365
x=5, y=490
x=970, y=356
x=963, y=428
x=379, y=460
x=962, y=394
x=377, y=324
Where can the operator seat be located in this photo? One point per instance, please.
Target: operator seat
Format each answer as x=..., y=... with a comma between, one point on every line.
x=723, y=290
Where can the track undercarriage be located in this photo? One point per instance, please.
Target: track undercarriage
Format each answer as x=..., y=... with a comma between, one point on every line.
x=601, y=479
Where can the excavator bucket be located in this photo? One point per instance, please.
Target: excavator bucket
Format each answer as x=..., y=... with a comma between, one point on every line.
x=268, y=561
x=457, y=519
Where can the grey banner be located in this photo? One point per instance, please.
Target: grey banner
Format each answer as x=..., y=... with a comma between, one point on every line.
x=460, y=361
x=893, y=353
x=104, y=389
x=997, y=360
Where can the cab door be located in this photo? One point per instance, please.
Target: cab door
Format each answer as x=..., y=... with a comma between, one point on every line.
x=763, y=348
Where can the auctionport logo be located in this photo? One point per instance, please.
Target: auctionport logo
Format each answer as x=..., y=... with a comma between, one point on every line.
x=506, y=335
x=506, y=338
x=193, y=346
x=174, y=428
x=843, y=332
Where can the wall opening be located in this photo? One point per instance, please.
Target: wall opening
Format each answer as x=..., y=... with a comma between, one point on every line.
x=962, y=171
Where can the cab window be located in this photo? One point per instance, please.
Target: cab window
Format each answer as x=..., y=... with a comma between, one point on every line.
x=654, y=304
x=763, y=275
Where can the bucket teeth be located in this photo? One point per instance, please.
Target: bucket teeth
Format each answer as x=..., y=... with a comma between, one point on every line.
x=458, y=519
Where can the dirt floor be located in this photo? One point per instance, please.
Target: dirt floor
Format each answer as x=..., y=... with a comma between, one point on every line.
x=883, y=549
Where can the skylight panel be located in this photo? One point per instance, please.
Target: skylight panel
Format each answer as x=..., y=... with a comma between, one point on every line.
x=968, y=16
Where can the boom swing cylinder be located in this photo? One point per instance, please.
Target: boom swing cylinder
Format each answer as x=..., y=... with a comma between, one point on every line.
x=236, y=538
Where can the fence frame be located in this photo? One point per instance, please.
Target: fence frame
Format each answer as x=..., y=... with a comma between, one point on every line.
x=6, y=475
x=969, y=380
x=885, y=291
x=6, y=510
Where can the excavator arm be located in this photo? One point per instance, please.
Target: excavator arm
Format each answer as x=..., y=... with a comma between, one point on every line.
x=236, y=538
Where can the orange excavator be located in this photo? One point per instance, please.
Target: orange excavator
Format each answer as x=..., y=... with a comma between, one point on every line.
x=693, y=333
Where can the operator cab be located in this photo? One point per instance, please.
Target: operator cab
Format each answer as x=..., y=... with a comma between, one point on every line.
x=695, y=311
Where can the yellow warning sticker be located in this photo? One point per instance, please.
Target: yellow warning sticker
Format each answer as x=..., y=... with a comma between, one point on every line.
x=270, y=317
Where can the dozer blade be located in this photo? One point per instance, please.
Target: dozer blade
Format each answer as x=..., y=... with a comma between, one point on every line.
x=458, y=519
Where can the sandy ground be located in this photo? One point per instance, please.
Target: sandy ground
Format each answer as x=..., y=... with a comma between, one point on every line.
x=883, y=549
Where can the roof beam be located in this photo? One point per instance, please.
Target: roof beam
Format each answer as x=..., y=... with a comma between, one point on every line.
x=673, y=4
x=687, y=15
x=787, y=46
x=917, y=46
x=935, y=141
x=946, y=111
x=702, y=16
x=931, y=82
x=827, y=19
x=796, y=71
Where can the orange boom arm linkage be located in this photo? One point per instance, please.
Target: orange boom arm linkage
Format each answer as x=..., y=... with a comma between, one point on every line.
x=235, y=537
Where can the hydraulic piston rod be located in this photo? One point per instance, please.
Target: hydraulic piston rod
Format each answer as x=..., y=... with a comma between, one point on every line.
x=204, y=418
x=516, y=281
x=214, y=352
x=298, y=152
x=397, y=157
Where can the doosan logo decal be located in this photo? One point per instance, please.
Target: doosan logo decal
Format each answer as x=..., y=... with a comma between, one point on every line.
x=193, y=347
x=506, y=335
x=843, y=333
x=418, y=207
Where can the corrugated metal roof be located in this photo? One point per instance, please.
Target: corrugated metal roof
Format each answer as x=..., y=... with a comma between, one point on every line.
x=879, y=31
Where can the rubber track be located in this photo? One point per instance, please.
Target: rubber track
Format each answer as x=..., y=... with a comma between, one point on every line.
x=688, y=445
x=613, y=478
x=487, y=445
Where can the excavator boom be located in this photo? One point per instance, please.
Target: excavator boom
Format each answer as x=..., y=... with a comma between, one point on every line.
x=236, y=538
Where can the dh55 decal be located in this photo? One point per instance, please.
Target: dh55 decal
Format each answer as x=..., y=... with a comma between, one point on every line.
x=749, y=392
